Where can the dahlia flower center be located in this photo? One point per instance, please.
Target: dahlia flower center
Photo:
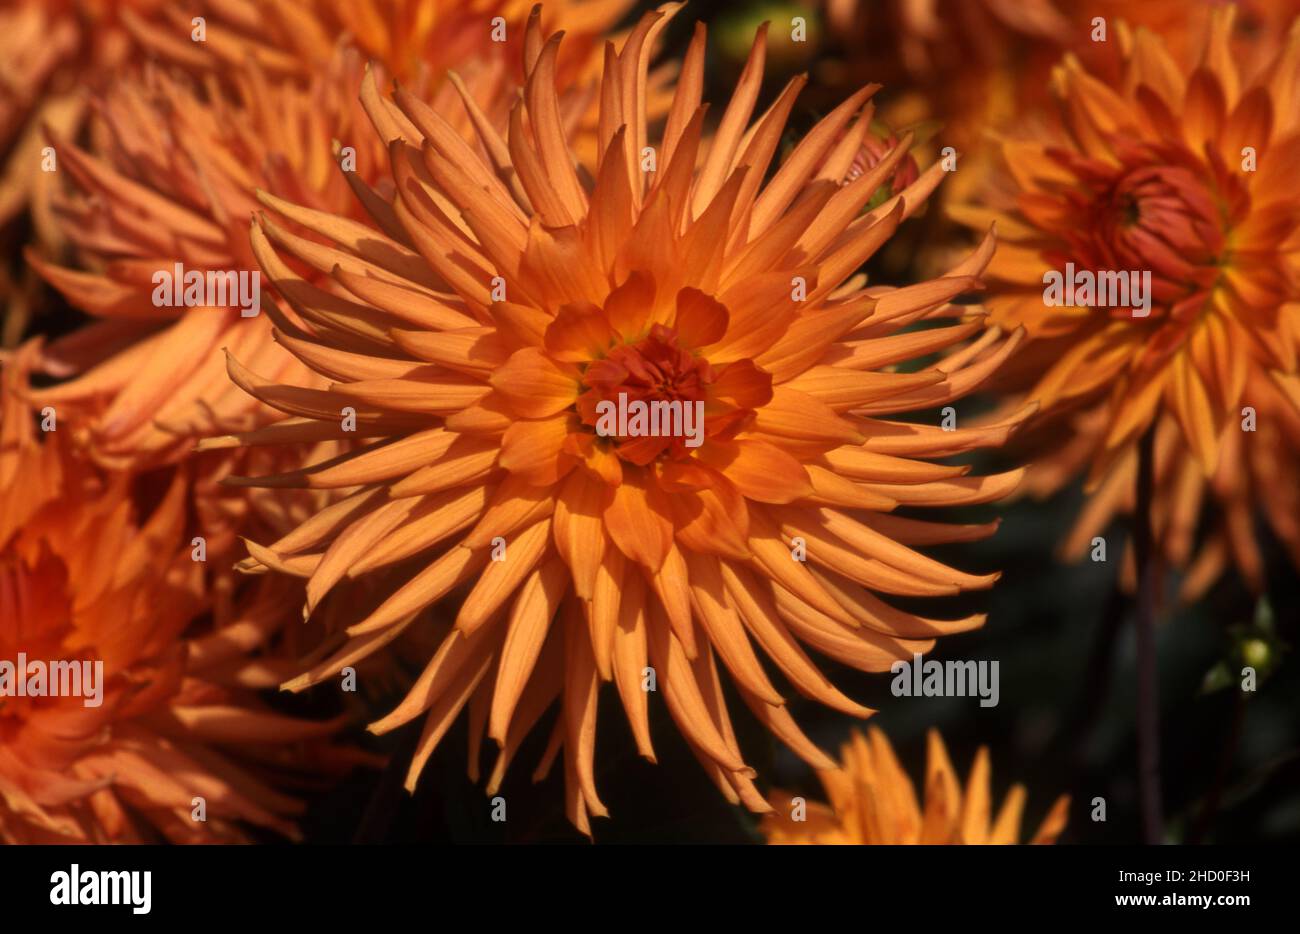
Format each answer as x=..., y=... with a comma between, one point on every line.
x=648, y=396
x=1173, y=206
x=655, y=367
x=1145, y=217
x=1163, y=219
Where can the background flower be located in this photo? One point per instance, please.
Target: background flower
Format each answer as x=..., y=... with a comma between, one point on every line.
x=1182, y=172
x=176, y=719
x=872, y=801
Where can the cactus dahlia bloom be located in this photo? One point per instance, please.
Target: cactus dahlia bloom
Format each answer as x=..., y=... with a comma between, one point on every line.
x=983, y=65
x=511, y=295
x=1186, y=174
x=169, y=182
x=967, y=66
x=872, y=801
x=170, y=718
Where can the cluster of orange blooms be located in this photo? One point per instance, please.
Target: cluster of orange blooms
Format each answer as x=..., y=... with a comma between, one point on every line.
x=473, y=224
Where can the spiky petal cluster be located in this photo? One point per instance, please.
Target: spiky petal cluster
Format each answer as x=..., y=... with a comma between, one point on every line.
x=174, y=183
x=50, y=51
x=968, y=67
x=511, y=294
x=413, y=39
x=1184, y=173
x=872, y=801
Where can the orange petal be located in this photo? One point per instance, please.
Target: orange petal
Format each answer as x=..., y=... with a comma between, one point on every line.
x=761, y=471
x=701, y=320
x=535, y=385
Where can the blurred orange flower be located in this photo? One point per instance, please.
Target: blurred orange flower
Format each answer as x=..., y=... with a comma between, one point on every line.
x=1184, y=173
x=174, y=183
x=168, y=719
x=511, y=297
x=872, y=801
x=54, y=51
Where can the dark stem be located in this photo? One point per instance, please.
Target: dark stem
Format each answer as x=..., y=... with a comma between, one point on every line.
x=1205, y=820
x=1099, y=677
x=1148, y=686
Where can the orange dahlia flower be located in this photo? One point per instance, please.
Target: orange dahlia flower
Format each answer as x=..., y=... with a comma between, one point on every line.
x=511, y=294
x=1185, y=174
x=171, y=183
x=872, y=801
x=167, y=719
